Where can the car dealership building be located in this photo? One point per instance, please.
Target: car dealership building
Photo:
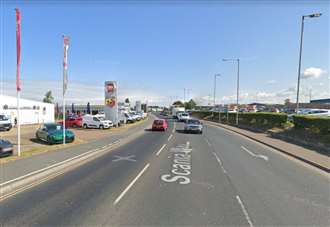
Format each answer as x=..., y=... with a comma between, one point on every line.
x=32, y=112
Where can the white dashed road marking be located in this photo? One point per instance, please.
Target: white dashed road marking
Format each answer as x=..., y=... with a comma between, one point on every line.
x=170, y=137
x=208, y=142
x=131, y=184
x=244, y=211
x=220, y=162
x=255, y=155
x=160, y=150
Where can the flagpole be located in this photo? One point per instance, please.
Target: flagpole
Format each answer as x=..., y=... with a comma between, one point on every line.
x=18, y=125
x=63, y=119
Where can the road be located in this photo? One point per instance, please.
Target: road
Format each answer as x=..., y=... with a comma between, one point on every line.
x=172, y=179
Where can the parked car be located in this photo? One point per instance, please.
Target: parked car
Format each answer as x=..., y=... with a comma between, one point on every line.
x=182, y=117
x=129, y=118
x=90, y=121
x=159, y=124
x=52, y=133
x=6, y=148
x=193, y=125
x=136, y=116
x=72, y=121
x=5, y=123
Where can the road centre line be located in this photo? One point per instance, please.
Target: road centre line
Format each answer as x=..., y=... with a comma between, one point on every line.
x=244, y=211
x=160, y=150
x=131, y=184
x=255, y=155
x=220, y=162
x=170, y=137
x=208, y=142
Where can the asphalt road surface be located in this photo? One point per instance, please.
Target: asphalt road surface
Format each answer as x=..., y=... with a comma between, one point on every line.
x=173, y=179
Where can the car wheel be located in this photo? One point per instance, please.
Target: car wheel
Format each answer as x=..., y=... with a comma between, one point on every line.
x=49, y=140
x=101, y=127
x=85, y=126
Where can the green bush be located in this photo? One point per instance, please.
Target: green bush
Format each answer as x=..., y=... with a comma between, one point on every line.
x=317, y=125
x=266, y=120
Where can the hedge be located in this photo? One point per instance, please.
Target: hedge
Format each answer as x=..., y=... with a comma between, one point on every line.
x=259, y=119
x=318, y=125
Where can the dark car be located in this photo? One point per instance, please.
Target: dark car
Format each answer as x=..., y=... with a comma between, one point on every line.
x=53, y=133
x=193, y=125
x=6, y=148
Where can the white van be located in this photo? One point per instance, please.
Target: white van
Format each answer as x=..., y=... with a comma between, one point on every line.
x=90, y=121
x=5, y=122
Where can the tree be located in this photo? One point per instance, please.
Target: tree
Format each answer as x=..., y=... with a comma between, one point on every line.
x=48, y=97
x=178, y=103
x=190, y=105
x=126, y=100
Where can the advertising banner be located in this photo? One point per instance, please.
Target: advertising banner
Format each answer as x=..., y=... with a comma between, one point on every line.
x=111, y=103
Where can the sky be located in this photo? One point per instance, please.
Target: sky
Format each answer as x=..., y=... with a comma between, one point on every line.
x=156, y=49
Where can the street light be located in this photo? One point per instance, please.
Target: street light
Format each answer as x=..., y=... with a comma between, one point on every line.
x=214, y=91
x=237, y=98
x=300, y=53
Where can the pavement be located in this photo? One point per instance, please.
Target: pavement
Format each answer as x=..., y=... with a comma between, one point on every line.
x=175, y=179
x=309, y=156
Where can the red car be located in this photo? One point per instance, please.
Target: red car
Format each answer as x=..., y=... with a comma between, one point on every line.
x=72, y=122
x=159, y=124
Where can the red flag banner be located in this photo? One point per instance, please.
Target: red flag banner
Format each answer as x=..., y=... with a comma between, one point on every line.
x=18, y=48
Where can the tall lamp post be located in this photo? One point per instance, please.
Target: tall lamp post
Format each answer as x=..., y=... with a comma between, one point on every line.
x=300, y=53
x=214, y=91
x=237, y=92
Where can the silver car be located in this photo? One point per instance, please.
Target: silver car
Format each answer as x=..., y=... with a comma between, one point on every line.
x=193, y=125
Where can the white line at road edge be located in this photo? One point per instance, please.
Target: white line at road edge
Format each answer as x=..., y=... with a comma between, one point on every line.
x=131, y=184
x=169, y=138
x=255, y=155
x=244, y=211
x=160, y=150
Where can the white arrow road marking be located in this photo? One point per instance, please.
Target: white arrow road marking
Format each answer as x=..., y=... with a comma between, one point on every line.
x=131, y=184
x=255, y=155
x=160, y=150
x=127, y=158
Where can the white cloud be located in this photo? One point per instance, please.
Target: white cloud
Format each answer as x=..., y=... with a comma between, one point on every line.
x=79, y=93
x=312, y=72
x=271, y=82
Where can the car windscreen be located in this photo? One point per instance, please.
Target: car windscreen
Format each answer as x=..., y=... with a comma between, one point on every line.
x=54, y=127
x=158, y=122
x=194, y=122
x=3, y=118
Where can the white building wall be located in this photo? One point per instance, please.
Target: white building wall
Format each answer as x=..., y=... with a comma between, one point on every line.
x=32, y=112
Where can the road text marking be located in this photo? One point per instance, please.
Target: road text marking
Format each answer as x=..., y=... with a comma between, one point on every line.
x=131, y=184
x=244, y=211
x=170, y=137
x=160, y=150
x=255, y=155
x=181, y=167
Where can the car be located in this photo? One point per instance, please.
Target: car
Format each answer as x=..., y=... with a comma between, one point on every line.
x=129, y=118
x=52, y=133
x=193, y=125
x=72, y=122
x=90, y=121
x=6, y=148
x=182, y=117
x=159, y=124
x=5, y=123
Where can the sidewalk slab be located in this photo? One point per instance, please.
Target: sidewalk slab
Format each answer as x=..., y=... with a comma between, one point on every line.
x=20, y=167
x=306, y=155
